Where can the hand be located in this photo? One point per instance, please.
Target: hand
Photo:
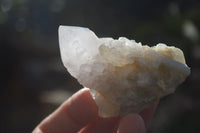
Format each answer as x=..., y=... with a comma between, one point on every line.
x=80, y=114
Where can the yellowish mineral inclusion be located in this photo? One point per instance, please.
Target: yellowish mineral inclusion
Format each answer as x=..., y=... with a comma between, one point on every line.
x=124, y=76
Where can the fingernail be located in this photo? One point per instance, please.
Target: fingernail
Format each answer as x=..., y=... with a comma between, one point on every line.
x=141, y=119
x=37, y=130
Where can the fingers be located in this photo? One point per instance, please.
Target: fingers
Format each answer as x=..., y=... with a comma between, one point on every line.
x=102, y=125
x=136, y=123
x=81, y=109
x=147, y=114
x=71, y=116
x=132, y=123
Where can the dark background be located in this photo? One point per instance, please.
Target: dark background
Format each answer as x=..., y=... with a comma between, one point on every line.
x=34, y=82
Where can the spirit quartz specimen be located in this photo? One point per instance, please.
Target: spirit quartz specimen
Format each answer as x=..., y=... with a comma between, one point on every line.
x=124, y=76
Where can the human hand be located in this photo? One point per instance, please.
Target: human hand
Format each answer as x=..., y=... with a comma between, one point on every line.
x=80, y=114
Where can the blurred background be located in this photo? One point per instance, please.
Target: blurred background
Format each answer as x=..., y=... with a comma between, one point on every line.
x=34, y=82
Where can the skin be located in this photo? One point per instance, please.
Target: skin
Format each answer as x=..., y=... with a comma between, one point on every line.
x=80, y=114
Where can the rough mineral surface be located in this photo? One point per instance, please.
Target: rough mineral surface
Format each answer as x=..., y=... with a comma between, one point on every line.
x=124, y=76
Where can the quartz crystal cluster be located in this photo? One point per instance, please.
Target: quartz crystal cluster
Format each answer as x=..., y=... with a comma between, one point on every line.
x=124, y=76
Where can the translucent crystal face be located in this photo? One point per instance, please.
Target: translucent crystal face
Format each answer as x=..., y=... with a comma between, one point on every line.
x=124, y=76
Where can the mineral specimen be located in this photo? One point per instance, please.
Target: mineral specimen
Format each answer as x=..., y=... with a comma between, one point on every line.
x=124, y=76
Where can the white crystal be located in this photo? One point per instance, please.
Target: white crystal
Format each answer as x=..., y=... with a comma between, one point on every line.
x=124, y=76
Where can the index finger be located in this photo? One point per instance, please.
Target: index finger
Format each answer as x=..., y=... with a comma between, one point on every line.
x=71, y=116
